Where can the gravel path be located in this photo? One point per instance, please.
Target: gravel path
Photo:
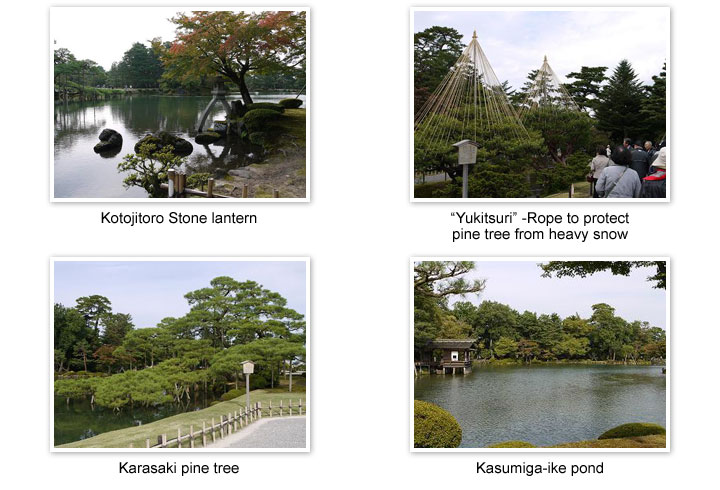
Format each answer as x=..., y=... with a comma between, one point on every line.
x=285, y=432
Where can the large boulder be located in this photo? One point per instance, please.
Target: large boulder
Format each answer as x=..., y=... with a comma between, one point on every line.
x=207, y=137
x=161, y=139
x=109, y=140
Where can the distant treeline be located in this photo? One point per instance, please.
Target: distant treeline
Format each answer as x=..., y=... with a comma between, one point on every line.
x=100, y=354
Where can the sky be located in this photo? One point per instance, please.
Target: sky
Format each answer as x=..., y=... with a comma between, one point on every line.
x=515, y=41
x=520, y=285
x=151, y=291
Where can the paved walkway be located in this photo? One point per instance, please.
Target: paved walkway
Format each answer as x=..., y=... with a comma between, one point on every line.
x=276, y=432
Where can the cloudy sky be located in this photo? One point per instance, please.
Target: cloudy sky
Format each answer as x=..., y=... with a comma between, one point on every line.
x=151, y=291
x=515, y=41
x=520, y=285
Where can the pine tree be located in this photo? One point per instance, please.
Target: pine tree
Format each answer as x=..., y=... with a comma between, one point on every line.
x=585, y=90
x=654, y=107
x=618, y=113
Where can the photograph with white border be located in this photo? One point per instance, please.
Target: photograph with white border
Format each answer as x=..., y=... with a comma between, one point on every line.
x=196, y=353
x=189, y=103
x=529, y=103
x=549, y=354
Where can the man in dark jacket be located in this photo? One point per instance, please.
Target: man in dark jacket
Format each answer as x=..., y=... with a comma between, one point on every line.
x=640, y=160
x=653, y=186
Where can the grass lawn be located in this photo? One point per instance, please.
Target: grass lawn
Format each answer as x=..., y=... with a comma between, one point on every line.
x=136, y=435
x=582, y=190
x=654, y=441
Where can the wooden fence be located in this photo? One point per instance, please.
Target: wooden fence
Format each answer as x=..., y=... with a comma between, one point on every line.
x=176, y=187
x=226, y=425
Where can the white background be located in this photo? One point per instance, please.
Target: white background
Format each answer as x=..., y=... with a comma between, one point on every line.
x=360, y=231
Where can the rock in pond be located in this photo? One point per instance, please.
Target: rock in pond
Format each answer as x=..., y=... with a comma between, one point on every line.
x=109, y=140
x=207, y=137
x=161, y=139
x=219, y=127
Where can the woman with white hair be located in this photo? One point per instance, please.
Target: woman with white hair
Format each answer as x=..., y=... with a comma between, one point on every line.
x=653, y=186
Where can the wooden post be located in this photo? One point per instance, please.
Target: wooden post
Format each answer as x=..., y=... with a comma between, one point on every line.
x=222, y=428
x=204, y=435
x=179, y=438
x=212, y=428
x=281, y=408
x=290, y=405
x=276, y=193
x=171, y=182
x=131, y=445
x=235, y=421
x=147, y=443
x=182, y=178
x=571, y=193
x=163, y=440
x=270, y=407
x=300, y=406
x=192, y=437
x=229, y=427
x=245, y=191
x=259, y=409
x=211, y=186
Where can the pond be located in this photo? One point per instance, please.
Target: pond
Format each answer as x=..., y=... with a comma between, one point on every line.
x=546, y=405
x=79, y=420
x=82, y=173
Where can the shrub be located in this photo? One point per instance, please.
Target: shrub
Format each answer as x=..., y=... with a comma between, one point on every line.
x=260, y=119
x=198, y=180
x=234, y=393
x=435, y=427
x=257, y=138
x=508, y=444
x=291, y=103
x=266, y=105
x=214, y=402
x=633, y=430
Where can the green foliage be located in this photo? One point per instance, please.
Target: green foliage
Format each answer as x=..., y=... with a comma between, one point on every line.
x=619, y=112
x=585, y=89
x=148, y=168
x=633, y=430
x=140, y=67
x=234, y=393
x=291, y=103
x=617, y=268
x=435, y=51
x=258, y=137
x=435, y=427
x=512, y=444
x=266, y=105
x=260, y=120
x=198, y=180
x=505, y=346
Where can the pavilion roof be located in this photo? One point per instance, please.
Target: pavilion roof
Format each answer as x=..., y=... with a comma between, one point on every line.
x=451, y=343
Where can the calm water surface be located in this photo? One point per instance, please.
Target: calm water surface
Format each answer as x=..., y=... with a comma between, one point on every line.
x=546, y=405
x=82, y=173
x=79, y=420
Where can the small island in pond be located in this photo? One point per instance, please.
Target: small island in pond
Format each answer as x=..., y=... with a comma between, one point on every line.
x=553, y=354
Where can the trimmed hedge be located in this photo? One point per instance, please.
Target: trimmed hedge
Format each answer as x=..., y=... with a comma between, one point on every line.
x=512, y=444
x=257, y=138
x=435, y=427
x=234, y=393
x=260, y=119
x=633, y=430
x=291, y=103
x=266, y=105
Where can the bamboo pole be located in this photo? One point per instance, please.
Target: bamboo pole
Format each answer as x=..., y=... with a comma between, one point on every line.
x=212, y=428
x=245, y=191
x=270, y=407
x=182, y=179
x=147, y=443
x=204, y=435
x=192, y=438
x=276, y=193
x=211, y=186
x=179, y=439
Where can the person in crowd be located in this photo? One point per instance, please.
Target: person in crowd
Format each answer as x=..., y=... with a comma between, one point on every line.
x=597, y=165
x=640, y=160
x=627, y=143
x=653, y=186
x=619, y=180
x=608, y=151
x=650, y=149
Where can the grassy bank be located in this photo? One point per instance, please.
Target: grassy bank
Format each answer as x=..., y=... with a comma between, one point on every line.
x=137, y=435
x=582, y=190
x=654, y=441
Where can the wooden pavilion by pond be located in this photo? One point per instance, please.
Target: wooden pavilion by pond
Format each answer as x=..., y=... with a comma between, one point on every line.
x=446, y=356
